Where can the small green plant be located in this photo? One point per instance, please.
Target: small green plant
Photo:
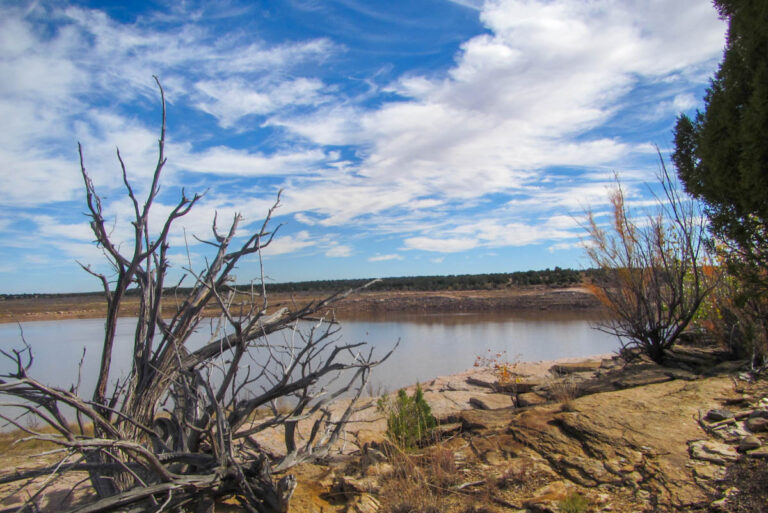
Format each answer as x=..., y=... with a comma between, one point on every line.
x=409, y=419
x=574, y=502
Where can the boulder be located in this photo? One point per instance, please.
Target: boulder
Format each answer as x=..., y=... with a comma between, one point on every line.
x=448, y=402
x=757, y=424
x=760, y=452
x=473, y=420
x=714, y=452
x=491, y=401
x=709, y=473
x=749, y=442
x=718, y=414
x=530, y=399
x=482, y=381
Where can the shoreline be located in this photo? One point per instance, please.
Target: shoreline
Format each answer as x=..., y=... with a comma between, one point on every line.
x=362, y=306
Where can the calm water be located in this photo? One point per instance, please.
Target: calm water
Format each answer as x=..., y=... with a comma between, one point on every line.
x=430, y=345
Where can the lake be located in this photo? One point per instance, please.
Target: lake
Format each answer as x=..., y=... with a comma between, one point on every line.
x=430, y=345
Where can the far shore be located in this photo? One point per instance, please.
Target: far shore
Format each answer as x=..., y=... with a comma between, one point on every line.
x=364, y=305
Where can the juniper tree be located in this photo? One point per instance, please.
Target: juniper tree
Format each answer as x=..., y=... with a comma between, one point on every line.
x=721, y=154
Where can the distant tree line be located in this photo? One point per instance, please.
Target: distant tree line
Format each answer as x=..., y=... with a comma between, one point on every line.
x=556, y=277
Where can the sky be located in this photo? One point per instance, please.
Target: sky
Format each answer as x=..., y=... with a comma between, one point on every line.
x=427, y=137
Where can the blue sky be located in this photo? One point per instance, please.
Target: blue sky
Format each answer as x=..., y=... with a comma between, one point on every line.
x=409, y=137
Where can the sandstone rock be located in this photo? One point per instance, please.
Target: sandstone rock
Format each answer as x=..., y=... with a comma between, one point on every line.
x=530, y=399
x=482, y=381
x=709, y=473
x=570, y=368
x=681, y=374
x=715, y=452
x=448, y=402
x=757, y=424
x=547, y=497
x=370, y=438
x=613, y=434
x=447, y=429
x=759, y=413
x=723, y=503
x=454, y=386
x=518, y=387
x=719, y=414
x=491, y=401
x=642, y=379
x=494, y=458
x=749, y=442
x=327, y=481
x=364, y=503
x=472, y=420
x=525, y=468
x=760, y=452
x=350, y=486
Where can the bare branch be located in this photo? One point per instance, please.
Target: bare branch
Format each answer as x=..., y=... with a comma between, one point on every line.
x=180, y=425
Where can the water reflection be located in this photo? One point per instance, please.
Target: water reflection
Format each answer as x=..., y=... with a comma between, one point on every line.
x=431, y=345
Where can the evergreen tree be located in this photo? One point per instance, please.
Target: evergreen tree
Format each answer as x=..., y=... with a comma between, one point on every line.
x=722, y=154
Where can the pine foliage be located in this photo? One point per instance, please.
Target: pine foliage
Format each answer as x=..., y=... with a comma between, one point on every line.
x=722, y=153
x=409, y=419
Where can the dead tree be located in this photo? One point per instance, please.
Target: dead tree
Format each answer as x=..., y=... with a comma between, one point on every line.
x=654, y=273
x=184, y=424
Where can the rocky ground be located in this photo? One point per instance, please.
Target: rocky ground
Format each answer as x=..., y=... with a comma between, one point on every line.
x=566, y=436
x=641, y=438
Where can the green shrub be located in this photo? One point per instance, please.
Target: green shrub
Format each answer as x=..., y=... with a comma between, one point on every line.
x=409, y=419
x=574, y=503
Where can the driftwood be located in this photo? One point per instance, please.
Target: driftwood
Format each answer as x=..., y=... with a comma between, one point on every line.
x=184, y=423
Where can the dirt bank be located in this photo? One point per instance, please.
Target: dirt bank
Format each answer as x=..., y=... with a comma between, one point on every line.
x=366, y=304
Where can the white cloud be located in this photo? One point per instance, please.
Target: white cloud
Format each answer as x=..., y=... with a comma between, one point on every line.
x=560, y=246
x=55, y=77
x=684, y=102
x=517, y=101
x=289, y=243
x=231, y=100
x=535, y=91
x=185, y=260
x=226, y=161
x=50, y=227
x=384, y=258
x=339, y=251
x=440, y=245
